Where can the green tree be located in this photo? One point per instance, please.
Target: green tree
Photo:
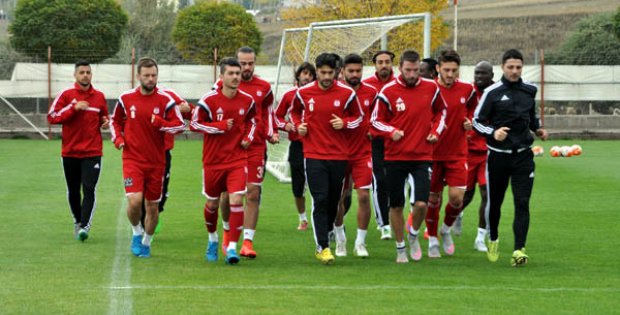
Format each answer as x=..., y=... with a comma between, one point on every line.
x=205, y=26
x=592, y=43
x=150, y=25
x=75, y=29
x=617, y=23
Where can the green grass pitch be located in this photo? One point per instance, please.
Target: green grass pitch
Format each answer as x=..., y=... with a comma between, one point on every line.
x=573, y=244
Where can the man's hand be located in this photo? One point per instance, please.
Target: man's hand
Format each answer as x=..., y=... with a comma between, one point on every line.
x=542, y=134
x=337, y=122
x=229, y=123
x=302, y=130
x=397, y=135
x=184, y=107
x=289, y=126
x=501, y=133
x=431, y=138
x=105, y=122
x=245, y=144
x=81, y=105
x=467, y=124
x=275, y=138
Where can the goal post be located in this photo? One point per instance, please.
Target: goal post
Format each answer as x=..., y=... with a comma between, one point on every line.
x=341, y=37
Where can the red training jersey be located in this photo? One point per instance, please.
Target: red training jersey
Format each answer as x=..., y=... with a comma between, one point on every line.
x=459, y=100
x=81, y=129
x=358, y=139
x=222, y=147
x=475, y=141
x=416, y=110
x=282, y=113
x=139, y=122
x=316, y=107
x=376, y=82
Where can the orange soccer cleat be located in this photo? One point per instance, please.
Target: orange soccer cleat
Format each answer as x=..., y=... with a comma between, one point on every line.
x=247, y=250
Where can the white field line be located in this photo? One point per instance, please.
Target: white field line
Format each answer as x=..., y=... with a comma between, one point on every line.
x=121, y=301
x=123, y=288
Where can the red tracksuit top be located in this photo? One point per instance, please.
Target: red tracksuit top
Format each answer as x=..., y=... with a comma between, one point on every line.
x=222, y=147
x=359, y=142
x=315, y=107
x=131, y=125
x=476, y=143
x=459, y=100
x=81, y=133
x=417, y=110
x=377, y=83
x=282, y=113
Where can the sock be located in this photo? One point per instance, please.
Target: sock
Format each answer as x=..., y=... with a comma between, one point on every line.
x=236, y=223
x=413, y=231
x=339, y=230
x=213, y=237
x=303, y=217
x=433, y=241
x=232, y=245
x=451, y=214
x=432, y=218
x=400, y=245
x=248, y=234
x=210, y=219
x=444, y=228
x=481, y=234
x=146, y=240
x=137, y=229
x=361, y=236
x=225, y=225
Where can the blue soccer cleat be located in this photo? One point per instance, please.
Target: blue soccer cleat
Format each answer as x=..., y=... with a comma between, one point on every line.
x=136, y=245
x=145, y=252
x=231, y=257
x=211, y=254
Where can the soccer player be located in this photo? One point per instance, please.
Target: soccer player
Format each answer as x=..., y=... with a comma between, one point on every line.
x=226, y=117
x=383, y=61
x=82, y=110
x=506, y=116
x=449, y=153
x=359, y=169
x=428, y=68
x=304, y=74
x=411, y=116
x=321, y=113
x=139, y=122
x=477, y=161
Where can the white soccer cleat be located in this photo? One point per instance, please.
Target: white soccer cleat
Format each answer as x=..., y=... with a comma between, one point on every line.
x=386, y=233
x=341, y=248
x=415, y=252
x=360, y=250
x=448, y=243
x=401, y=256
x=433, y=248
x=480, y=245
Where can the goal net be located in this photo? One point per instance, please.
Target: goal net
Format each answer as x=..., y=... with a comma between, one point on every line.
x=362, y=36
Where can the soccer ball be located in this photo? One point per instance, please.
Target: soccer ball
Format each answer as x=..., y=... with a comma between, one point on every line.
x=538, y=150
x=566, y=151
x=555, y=151
x=576, y=149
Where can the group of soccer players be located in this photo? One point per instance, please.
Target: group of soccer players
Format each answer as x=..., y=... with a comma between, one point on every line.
x=381, y=133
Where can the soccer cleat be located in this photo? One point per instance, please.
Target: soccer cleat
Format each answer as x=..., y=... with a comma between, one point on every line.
x=415, y=252
x=360, y=250
x=247, y=250
x=231, y=257
x=448, y=243
x=519, y=257
x=386, y=233
x=136, y=245
x=211, y=253
x=480, y=246
x=401, y=256
x=325, y=256
x=433, y=248
x=341, y=246
x=457, y=228
x=225, y=240
x=493, y=250
x=303, y=225
x=82, y=235
x=145, y=251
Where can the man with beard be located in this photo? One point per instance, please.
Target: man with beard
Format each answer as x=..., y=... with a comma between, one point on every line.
x=411, y=115
x=82, y=110
x=383, y=61
x=139, y=122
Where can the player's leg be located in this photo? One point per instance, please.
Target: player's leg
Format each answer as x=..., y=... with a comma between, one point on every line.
x=72, y=171
x=298, y=181
x=318, y=183
x=379, y=188
x=91, y=168
x=397, y=173
x=225, y=213
x=456, y=177
x=255, y=175
x=153, y=182
x=522, y=182
x=434, y=207
x=498, y=176
x=133, y=179
x=164, y=194
x=214, y=183
x=336, y=171
x=483, y=226
x=338, y=231
x=362, y=177
x=420, y=173
x=236, y=186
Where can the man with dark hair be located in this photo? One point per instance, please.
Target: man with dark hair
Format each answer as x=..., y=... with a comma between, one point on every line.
x=477, y=161
x=506, y=116
x=226, y=117
x=428, y=68
x=139, y=122
x=321, y=113
x=359, y=169
x=449, y=153
x=410, y=114
x=304, y=74
x=383, y=61
x=82, y=110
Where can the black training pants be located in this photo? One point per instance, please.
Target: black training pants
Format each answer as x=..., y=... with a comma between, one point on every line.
x=82, y=175
x=379, y=184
